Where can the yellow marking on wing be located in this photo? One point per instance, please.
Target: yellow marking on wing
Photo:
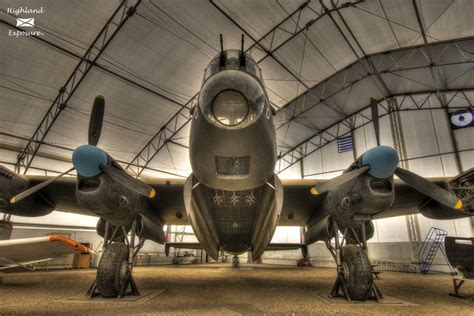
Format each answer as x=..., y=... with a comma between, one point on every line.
x=12, y=200
x=458, y=205
x=313, y=191
x=152, y=193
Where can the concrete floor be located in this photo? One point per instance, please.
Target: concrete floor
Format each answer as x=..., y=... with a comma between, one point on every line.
x=217, y=290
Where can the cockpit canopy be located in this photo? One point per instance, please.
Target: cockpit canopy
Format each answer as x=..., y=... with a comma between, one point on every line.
x=232, y=95
x=231, y=61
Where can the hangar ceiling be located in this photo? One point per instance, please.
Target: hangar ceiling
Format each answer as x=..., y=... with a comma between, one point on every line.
x=321, y=62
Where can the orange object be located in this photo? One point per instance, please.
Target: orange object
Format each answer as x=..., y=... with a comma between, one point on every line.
x=71, y=243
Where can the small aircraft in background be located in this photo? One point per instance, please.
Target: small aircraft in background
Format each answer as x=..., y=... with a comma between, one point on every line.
x=25, y=252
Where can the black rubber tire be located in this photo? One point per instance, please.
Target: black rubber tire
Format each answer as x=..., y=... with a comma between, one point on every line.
x=235, y=262
x=359, y=278
x=110, y=272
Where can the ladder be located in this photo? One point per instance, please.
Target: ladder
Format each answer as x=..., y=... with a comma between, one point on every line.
x=433, y=242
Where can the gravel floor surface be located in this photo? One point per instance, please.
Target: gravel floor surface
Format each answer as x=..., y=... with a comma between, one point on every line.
x=216, y=289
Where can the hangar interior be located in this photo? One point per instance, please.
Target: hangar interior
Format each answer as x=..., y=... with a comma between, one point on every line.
x=321, y=62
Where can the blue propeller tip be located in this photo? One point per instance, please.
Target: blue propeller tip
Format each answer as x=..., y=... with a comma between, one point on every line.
x=382, y=160
x=87, y=160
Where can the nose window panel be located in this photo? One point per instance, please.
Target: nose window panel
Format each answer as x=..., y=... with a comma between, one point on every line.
x=230, y=107
x=232, y=166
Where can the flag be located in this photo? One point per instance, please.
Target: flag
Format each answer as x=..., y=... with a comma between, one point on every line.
x=462, y=118
x=345, y=144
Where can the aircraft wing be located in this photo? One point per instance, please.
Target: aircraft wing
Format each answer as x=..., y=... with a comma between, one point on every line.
x=300, y=205
x=407, y=200
x=61, y=193
x=410, y=201
x=168, y=202
x=24, y=251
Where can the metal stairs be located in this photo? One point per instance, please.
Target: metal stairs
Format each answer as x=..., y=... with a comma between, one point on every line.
x=433, y=242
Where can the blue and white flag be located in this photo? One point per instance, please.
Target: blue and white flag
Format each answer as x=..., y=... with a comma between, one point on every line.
x=345, y=144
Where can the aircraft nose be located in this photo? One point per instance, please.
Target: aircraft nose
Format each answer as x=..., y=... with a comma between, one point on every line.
x=87, y=160
x=230, y=107
x=382, y=160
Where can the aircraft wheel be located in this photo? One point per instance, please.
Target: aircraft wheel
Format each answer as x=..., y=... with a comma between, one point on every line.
x=112, y=269
x=235, y=262
x=357, y=272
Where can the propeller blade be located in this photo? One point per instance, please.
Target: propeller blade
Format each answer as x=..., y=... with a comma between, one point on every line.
x=339, y=181
x=96, y=120
x=428, y=188
x=36, y=188
x=133, y=183
x=375, y=118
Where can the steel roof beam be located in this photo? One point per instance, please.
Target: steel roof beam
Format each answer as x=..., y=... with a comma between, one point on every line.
x=294, y=155
x=438, y=81
x=342, y=85
x=426, y=44
x=364, y=54
x=317, y=141
x=271, y=53
x=182, y=117
x=95, y=64
x=95, y=50
x=66, y=159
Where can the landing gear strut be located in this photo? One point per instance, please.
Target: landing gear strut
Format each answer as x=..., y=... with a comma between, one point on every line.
x=6, y=227
x=114, y=273
x=354, y=272
x=235, y=262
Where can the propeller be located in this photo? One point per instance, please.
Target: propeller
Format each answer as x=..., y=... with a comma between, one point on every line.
x=428, y=188
x=36, y=188
x=345, y=178
x=382, y=162
x=90, y=161
x=96, y=120
x=375, y=118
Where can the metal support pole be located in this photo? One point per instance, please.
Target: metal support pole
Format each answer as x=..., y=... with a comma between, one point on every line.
x=106, y=235
x=121, y=14
x=302, y=164
x=444, y=104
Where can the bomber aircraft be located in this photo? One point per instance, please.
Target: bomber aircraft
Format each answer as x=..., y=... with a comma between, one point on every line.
x=233, y=199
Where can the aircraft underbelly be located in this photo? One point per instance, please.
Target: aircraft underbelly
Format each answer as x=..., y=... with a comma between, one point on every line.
x=234, y=221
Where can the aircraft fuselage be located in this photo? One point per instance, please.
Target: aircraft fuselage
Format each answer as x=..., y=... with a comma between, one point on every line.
x=232, y=150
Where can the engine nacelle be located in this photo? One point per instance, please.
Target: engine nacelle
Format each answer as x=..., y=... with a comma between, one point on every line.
x=368, y=196
x=321, y=230
x=349, y=205
x=109, y=199
x=12, y=184
x=119, y=234
x=151, y=228
x=148, y=227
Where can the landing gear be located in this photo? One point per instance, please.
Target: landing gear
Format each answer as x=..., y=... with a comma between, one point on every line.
x=304, y=262
x=6, y=227
x=354, y=272
x=357, y=272
x=114, y=273
x=235, y=262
